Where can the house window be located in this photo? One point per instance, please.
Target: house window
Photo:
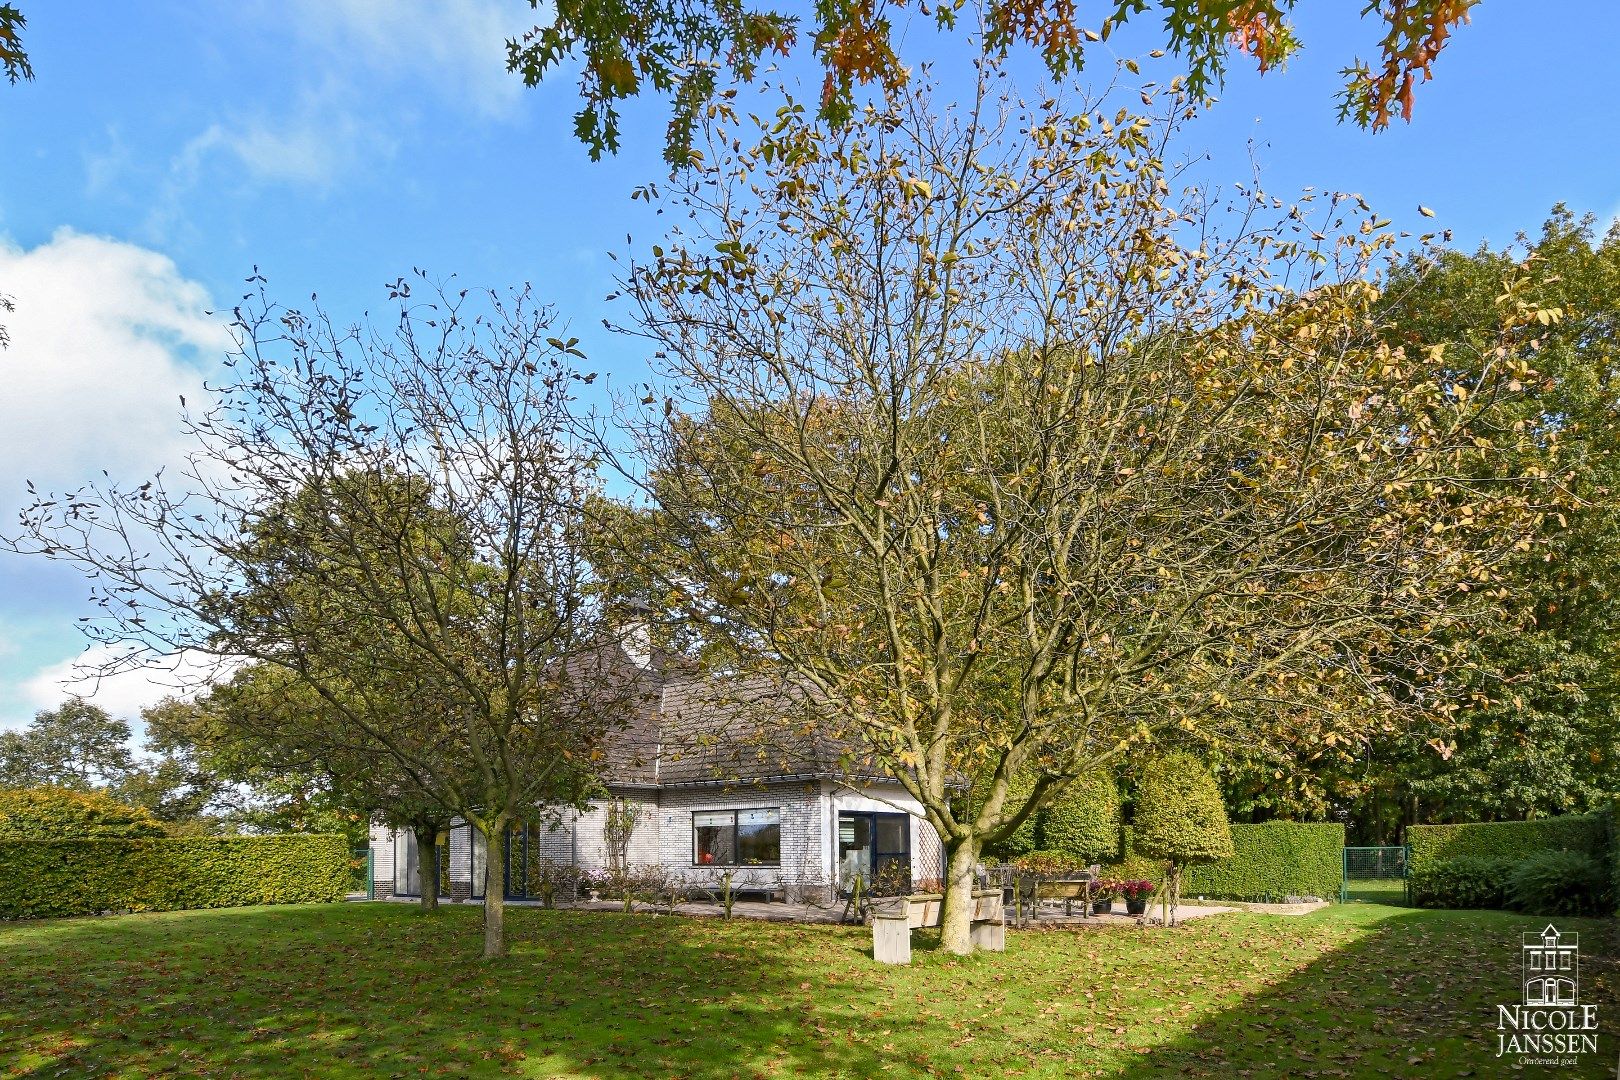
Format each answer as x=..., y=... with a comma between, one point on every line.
x=737, y=837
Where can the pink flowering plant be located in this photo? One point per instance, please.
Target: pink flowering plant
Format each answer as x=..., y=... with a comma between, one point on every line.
x=1134, y=890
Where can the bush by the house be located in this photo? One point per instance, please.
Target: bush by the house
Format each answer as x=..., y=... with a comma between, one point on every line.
x=55, y=813
x=1558, y=883
x=47, y=878
x=1083, y=821
x=1468, y=881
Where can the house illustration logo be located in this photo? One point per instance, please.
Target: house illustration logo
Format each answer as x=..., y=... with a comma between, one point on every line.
x=1551, y=965
x=1548, y=1025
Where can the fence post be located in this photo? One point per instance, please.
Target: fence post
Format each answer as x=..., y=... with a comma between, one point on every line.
x=371, y=876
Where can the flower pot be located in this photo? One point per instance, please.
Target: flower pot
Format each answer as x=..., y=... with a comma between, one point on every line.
x=1101, y=907
x=1136, y=907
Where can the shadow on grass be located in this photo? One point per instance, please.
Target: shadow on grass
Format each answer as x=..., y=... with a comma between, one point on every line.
x=385, y=990
x=1416, y=996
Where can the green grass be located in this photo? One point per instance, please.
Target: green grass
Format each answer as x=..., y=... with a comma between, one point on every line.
x=380, y=990
x=1378, y=891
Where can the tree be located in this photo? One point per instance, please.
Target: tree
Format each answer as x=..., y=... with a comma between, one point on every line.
x=1539, y=681
x=57, y=813
x=266, y=729
x=963, y=429
x=75, y=745
x=1181, y=819
x=690, y=53
x=1084, y=821
x=13, y=58
x=369, y=505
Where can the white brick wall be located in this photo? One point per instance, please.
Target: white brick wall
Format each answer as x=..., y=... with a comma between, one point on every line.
x=382, y=861
x=803, y=846
x=663, y=832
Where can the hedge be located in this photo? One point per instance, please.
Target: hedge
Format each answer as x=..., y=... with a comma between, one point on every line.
x=1587, y=834
x=1269, y=861
x=55, y=813
x=48, y=878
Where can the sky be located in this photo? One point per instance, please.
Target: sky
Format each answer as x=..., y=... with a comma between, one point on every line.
x=166, y=150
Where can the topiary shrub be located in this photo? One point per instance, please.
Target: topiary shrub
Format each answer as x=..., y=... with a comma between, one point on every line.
x=1468, y=881
x=1558, y=883
x=54, y=813
x=1083, y=822
x=1180, y=818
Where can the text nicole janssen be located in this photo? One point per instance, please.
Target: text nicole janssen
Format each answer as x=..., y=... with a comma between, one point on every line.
x=1521, y=1030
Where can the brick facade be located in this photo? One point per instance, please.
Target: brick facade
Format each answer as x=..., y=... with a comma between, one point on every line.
x=663, y=835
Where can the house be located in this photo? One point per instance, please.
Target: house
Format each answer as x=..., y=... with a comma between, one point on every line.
x=717, y=775
x=1551, y=967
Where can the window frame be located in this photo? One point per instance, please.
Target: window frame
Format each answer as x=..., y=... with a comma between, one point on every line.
x=734, y=811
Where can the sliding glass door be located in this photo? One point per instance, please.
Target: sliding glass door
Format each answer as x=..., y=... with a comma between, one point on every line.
x=877, y=849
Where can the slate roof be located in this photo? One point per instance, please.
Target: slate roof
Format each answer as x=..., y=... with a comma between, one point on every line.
x=715, y=729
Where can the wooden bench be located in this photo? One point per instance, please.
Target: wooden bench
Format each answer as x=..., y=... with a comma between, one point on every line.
x=891, y=928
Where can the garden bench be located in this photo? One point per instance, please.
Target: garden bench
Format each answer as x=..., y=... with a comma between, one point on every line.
x=891, y=927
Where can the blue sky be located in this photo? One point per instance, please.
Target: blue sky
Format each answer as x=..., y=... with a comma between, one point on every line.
x=166, y=149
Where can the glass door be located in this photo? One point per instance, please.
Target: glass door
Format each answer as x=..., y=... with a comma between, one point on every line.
x=876, y=848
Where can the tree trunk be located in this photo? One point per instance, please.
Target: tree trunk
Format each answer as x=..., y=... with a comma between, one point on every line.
x=956, y=917
x=427, y=865
x=495, y=893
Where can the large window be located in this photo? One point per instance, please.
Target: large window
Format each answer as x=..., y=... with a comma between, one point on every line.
x=737, y=837
x=408, y=864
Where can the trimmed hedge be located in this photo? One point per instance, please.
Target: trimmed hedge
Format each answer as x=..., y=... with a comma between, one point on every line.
x=55, y=813
x=51, y=878
x=1575, y=855
x=1269, y=861
x=1587, y=834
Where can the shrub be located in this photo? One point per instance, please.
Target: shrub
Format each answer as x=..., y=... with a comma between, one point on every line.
x=1180, y=816
x=1274, y=860
x=54, y=813
x=1584, y=833
x=1468, y=881
x=1558, y=883
x=48, y=878
x=1083, y=821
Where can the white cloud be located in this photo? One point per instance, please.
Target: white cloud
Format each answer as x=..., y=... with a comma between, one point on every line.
x=105, y=339
x=125, y=693
x=317, y=144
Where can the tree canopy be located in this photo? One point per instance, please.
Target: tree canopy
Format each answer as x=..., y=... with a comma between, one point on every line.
x=387, y=516
x=691, y=53
x=75, y=745
x=1536, y=677
x=961, y=428
x=14, y=60
x=56, y=813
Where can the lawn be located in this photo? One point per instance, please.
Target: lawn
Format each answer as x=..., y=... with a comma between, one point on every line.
x=381, y=990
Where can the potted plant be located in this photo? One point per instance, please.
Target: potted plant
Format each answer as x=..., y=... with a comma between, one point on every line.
x=1102, y=896
x=1136, y=895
